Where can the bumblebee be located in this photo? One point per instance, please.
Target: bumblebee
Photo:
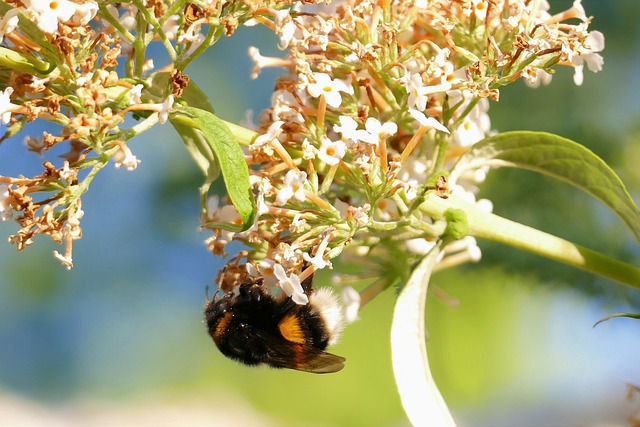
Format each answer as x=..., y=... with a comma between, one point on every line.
x=253, y=326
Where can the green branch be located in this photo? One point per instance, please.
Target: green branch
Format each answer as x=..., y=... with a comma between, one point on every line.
x=493, y=227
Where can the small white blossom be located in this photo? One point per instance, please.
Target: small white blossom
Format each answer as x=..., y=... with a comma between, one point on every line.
x=285, y=28
x=360, y=214
x=427, y=121
x=266, y=270
x=124, y=157
x=309, y=152
x=67, y=261
x=85, y=12
x=318, y=260
x=379, y=131
x=298, y=224
x=212, y=207
x=6, y=107
x=135, y=94
x=351, y=301
x=387, y=209
x=67, y=173
x=416, y=90
x=348, y=128
x=420, y=246
x=330, y=88
x=293, y=187
x=6, y=213
x=47, y=14
x=165, y=107
x=171, y=27
x=589, y=56
x=290, y=285
x=480, y=8
x=275, y=129
x=331, y=152
x=284, y=103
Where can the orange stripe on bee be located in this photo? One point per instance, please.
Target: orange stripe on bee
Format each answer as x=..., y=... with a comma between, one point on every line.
x=290, y=329
x=222, y=325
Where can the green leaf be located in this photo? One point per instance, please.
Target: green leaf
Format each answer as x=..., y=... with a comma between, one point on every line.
x=195, y=97
x=418, y=391
x=559, y=158
x=615, y=315
x=215, y=149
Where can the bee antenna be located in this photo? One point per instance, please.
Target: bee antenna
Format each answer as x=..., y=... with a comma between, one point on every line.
x=207, y=293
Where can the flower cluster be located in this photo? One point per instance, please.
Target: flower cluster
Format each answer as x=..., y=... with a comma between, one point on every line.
x=379, y=102
x=85, y=67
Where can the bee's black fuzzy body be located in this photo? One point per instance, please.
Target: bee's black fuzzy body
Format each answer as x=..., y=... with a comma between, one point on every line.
x=253, y=326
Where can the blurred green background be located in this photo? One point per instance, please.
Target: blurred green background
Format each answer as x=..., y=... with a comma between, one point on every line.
x=119, y=340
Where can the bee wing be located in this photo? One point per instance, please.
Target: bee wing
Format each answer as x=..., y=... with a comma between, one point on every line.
x=301, y=357
x=319, y=362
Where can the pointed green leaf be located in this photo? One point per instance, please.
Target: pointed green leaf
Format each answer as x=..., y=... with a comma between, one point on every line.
x=195, y=97
x=557, y=157
x=215, y=149
x=419, y=393
x=615, y=315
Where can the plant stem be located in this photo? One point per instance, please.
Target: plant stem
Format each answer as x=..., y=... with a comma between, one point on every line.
x=493, y=227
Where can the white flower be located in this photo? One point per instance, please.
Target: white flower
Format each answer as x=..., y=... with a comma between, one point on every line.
x=474, y=127
x=290, y=285
x=6, y=107
x=135, y=94
x=480, y=8
x=165, y=107
x=420, y=246
x=331, y=152
x=416, y=90
x=318, y=260
x=6, y=213
x=284, y=107
x=171, y=27
x=67, y=173
x=293, y=187
x=260, y=61
x=67, y=261
x=266, y=269
x=379, y=131
x=8, y=23
x=272, y=133
x=212, y=207
x=588, y=55
x=427, y=121
x=85, y=12
x=328, y=87
x=360, y=214
x=387, y=209
x=309, y=152
x=348, y=127
x=285, y=28
x=229, y=213
x=47, y=13
x=298, y=224
x=84, y=79
x=252, y=270
x=130, y=162
x=351, y=301
x=578, y=10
